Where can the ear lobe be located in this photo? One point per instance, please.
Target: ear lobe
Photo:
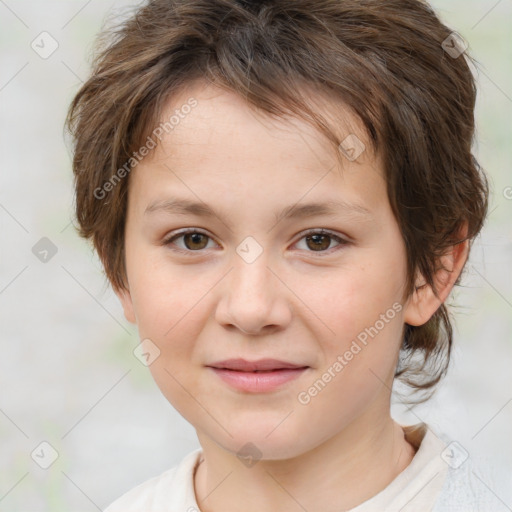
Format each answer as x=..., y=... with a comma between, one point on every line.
x=125, y=298
x=423, y=302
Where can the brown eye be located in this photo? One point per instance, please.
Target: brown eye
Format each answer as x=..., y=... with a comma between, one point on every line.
x=195, y=241
x=320, y=241
x=192, y=241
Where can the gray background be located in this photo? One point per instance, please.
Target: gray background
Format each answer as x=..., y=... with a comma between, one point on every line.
x=67, y=372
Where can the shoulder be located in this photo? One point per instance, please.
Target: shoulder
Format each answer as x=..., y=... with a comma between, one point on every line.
x=475, y=485
x=172, y=488
x=444, y=477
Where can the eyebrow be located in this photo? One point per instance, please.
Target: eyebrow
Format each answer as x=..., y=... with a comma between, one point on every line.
x=328, y=208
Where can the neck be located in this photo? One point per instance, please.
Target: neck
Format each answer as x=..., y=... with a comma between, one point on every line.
x=341, y=473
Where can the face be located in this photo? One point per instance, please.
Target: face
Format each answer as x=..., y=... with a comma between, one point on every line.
x=277, y=324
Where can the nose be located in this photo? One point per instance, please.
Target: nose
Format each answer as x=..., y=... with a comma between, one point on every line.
x=254, y=300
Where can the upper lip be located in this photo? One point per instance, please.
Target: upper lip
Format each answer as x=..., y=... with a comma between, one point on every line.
x=251, y=366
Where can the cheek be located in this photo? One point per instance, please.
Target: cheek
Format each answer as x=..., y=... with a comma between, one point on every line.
x=357, y=367
x=352, y=299
x=165, y=296
x=361, y=308
x=170, y=314
x=171, y=319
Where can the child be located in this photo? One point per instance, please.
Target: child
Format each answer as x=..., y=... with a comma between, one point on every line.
x=321, y=151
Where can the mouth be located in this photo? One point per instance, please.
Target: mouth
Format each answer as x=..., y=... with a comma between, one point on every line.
x=262, y=365
x=259, y=376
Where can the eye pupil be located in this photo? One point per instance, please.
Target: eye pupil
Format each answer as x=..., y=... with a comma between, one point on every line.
x=317, y=241
x=196, y=239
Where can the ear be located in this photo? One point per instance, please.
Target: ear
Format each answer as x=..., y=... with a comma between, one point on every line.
x=423, y=302
x=125, y=298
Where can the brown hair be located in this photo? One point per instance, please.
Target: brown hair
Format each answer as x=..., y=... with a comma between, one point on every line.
x=387, y=60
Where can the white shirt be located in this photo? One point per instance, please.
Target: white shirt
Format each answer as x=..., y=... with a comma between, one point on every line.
x=440, y=478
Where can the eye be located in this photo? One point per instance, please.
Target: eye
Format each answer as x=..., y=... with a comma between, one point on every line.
x=320, y=240
x=193, y=240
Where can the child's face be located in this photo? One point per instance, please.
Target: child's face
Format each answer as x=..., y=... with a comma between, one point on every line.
x=302, y=301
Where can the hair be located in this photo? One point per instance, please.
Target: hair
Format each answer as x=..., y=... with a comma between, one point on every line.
x=383, y=59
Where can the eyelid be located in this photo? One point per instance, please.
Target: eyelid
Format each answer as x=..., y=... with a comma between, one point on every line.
x=319, y=231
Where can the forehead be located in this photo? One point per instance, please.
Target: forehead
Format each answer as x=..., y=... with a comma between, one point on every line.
x=222, y=114
x=224, y=142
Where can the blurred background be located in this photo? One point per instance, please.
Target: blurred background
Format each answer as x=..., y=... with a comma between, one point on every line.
x=81, y=420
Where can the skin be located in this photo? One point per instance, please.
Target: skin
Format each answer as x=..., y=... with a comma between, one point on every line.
x=292, y=303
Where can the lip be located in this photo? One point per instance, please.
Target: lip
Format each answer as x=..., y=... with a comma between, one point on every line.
x=263, y=375
x=252, y=366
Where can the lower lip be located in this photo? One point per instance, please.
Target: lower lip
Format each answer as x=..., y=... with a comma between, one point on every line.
x=260, y=382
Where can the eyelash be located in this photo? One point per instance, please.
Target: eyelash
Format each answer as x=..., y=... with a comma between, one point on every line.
x=342, y=242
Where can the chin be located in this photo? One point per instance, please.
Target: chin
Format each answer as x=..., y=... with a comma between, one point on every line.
x=262, y=440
